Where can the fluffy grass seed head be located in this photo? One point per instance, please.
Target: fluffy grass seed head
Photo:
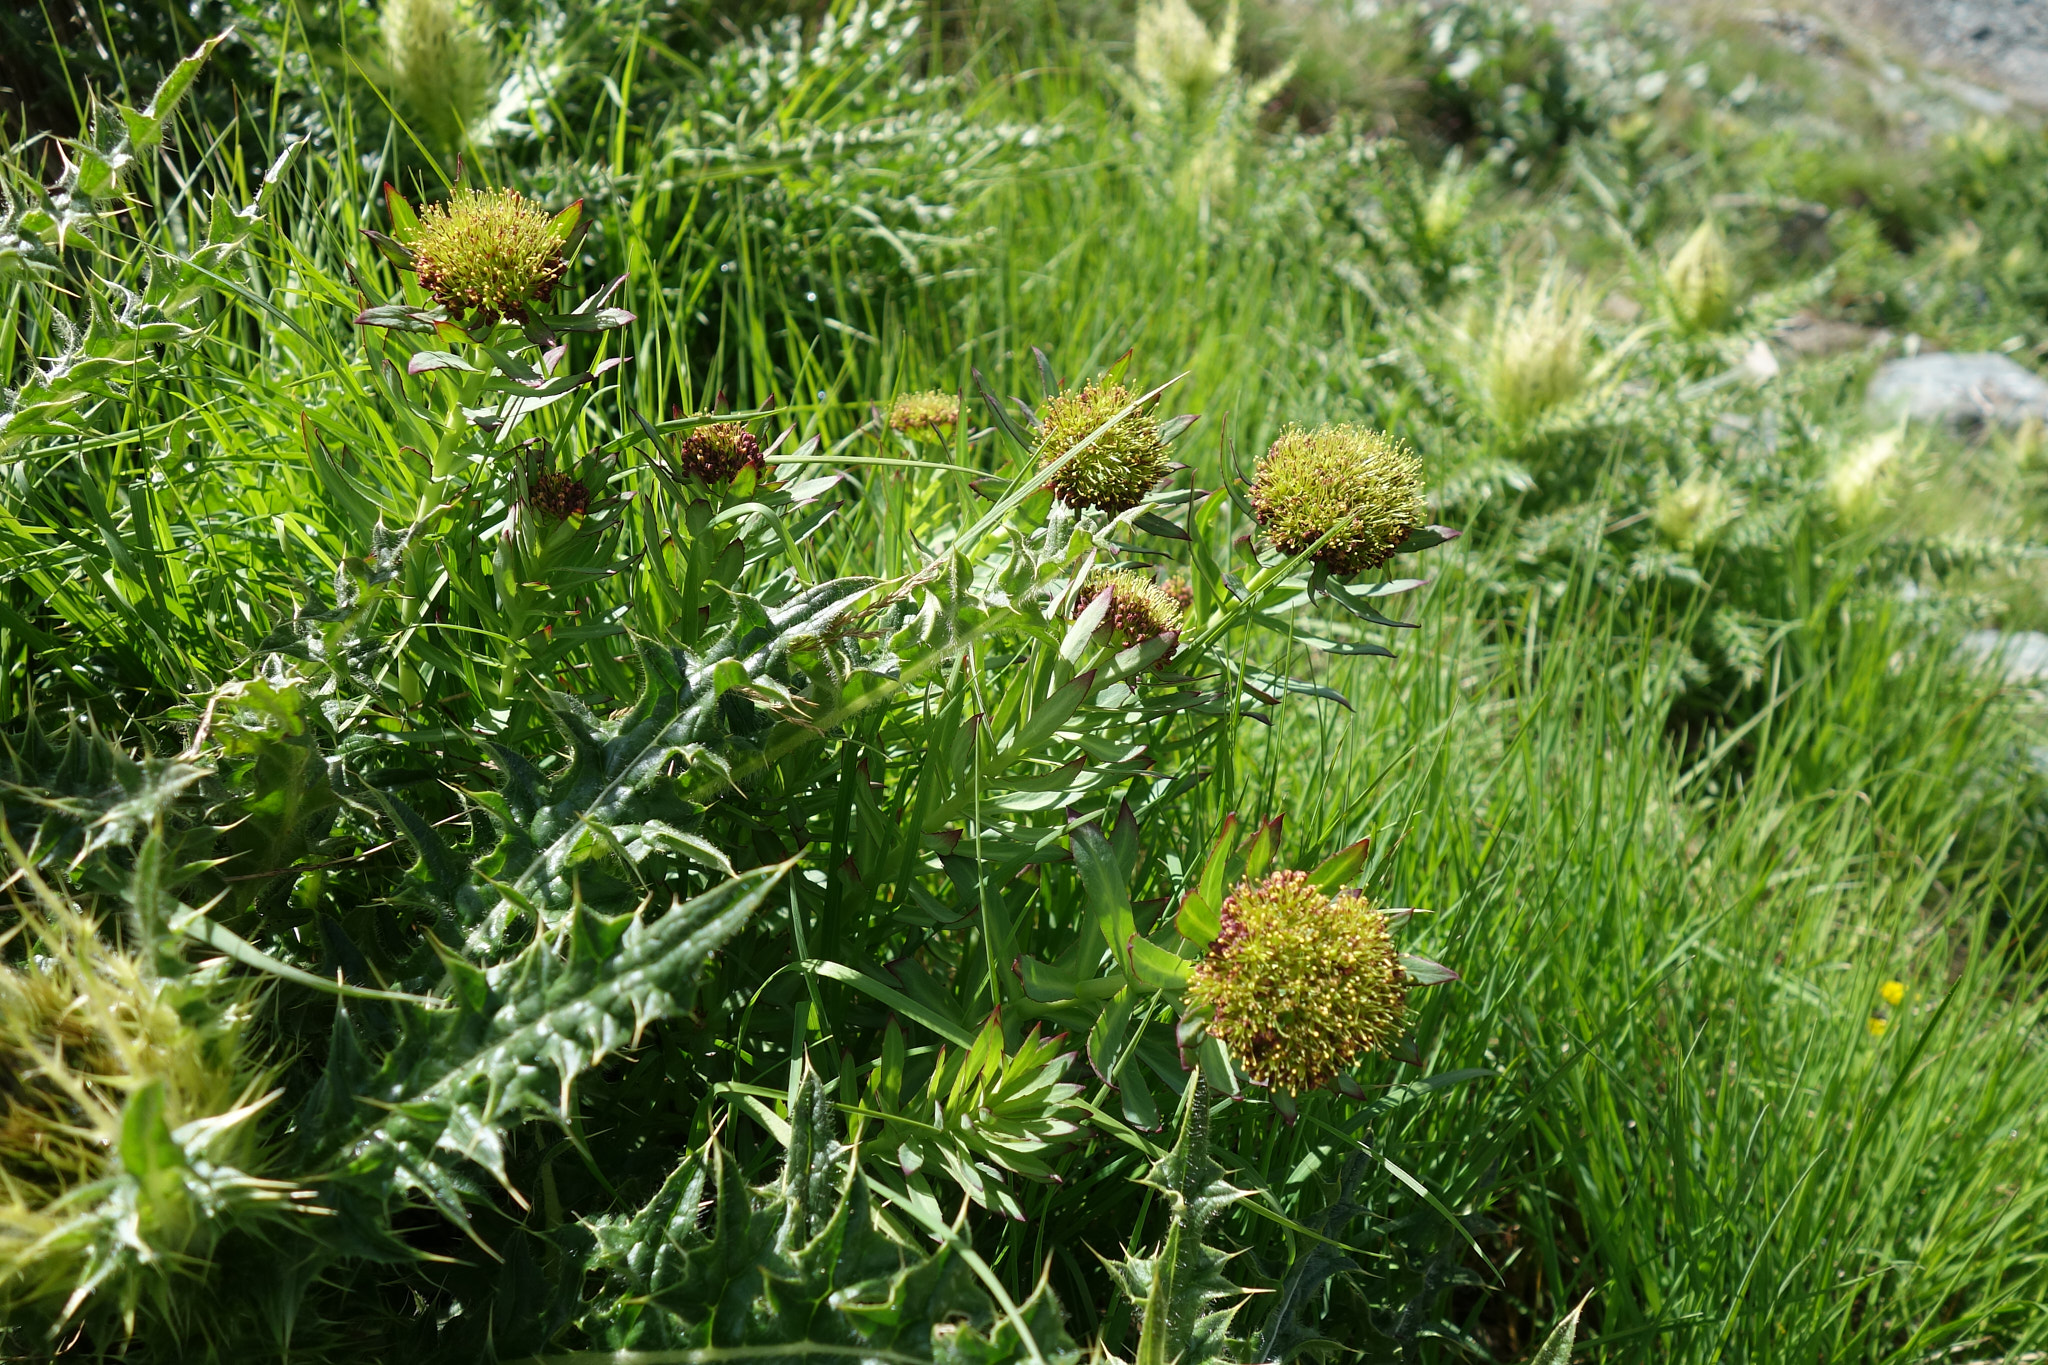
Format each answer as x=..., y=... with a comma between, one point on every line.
x=1139, y=609
x=440, y=63
x=719, y=451
x=1699, y=281
x=926, y=413
x=1174, y=50
x=1299, y=984
x=1363, y=482
x=1124, y=464
x=1536, y=356
x=490, y=253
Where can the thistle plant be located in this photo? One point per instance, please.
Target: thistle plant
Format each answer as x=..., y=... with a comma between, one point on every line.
x=439, y=59
x=1360, y=488
x=1119, y=467
x=929, y=413
x=1535, y=360
x=1299, y=984
x=1862, y=478
x=1699, y=281
x=1173, y=49
x=1691, y=513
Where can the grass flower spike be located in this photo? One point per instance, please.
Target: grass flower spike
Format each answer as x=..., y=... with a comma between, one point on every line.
x=929, y=412
x=718, y=452
x=1364, y=484
x=491, y=253
x=1300, y=984
x=1700, y=280
x=1139, y=609
x=1120, y=468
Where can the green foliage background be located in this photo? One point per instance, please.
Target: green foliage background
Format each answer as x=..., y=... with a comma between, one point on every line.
x=737, y=924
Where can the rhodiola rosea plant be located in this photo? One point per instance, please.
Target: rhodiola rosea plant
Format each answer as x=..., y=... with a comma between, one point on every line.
x=696, y=882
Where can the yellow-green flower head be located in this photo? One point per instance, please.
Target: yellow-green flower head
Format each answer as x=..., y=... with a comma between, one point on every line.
x=1139, y=609
x=931, y=411
x=1700, y=280
x=1120, y=468
x=1299, y=984
x=1362, y=482
x=489, y=253
x=717, y=452
x=1177, y=588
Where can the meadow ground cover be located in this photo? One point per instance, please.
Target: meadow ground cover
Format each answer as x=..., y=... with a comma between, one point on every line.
x=919, y=683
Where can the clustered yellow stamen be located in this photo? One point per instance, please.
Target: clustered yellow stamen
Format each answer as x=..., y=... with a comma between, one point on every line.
x=1139, y=609
x=1363, y=483
x=1299, y=985
x=718, y=452
x=488, y=254
x=928, y=412
x=1122, y=465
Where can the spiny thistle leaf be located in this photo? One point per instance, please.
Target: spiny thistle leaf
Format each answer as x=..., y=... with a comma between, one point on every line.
x=800, y=1264
x=459, y=1080
x=1174, y=1287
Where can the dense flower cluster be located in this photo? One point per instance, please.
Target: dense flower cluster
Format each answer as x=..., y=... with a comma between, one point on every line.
x=931, y=411
x=557, y=496
x=1139, y=609
x=489, y=253
x=1363, y=483
x=718, y=452
x=1125, y=462
x=1299, y=984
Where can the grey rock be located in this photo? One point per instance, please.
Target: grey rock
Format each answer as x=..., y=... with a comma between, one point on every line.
x=2022, y=654
x=1958, y=388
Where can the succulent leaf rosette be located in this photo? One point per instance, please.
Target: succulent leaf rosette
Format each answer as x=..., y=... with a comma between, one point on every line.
x=1361, y=487
x=1299, y=984
x=1122, y=465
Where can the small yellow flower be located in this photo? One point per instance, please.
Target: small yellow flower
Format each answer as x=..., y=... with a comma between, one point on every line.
x=1894, y=993
x=1878, y=1024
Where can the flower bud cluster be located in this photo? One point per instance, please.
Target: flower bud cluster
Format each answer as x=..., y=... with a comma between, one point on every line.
x=1363, y=484
x=717, y=452
x=489, y=254
x=931, y=411
x=1298, y=984
x=1139, y=609
x=1120, y=467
